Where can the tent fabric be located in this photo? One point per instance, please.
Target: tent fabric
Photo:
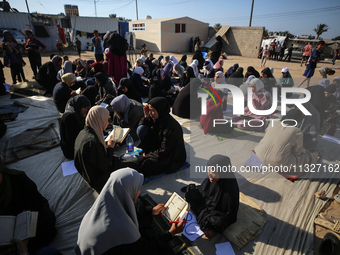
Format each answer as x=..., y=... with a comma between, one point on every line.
x=290, y=208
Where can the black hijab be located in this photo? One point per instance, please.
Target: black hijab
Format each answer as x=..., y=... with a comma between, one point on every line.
x=252, y=71
x=294, y=114
x=183, y=61
x=162, y=106
x=75, y=104
x=267, y=72
x=132, y=93
x=102, y=80
x=118, y=44
x=185, y=80
x=219, y=195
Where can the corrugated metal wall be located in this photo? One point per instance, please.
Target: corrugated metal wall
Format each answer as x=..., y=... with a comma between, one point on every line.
x=88, y=24
x=18, y=21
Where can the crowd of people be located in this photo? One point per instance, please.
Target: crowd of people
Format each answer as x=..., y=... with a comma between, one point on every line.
x=93, y=94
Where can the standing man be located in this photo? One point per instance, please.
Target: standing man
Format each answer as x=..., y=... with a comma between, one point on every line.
x=311, y=63
x=78, y=46
x=32, y=46
x=307, y=50
x=98, y=49
x=289, y=54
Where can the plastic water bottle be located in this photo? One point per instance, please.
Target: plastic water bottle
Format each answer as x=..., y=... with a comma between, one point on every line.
x=130, y=144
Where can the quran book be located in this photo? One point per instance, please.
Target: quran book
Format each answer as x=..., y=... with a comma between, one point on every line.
x=118, y=134
x=21, y=227
x=177, y=208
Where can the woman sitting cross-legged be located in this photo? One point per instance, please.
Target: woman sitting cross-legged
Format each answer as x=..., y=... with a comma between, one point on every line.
x=72, y=122
x=119, y=222
x=161, y=139
x=216, y=201
x=127, y=113
x=262, y=100
x=93, y=158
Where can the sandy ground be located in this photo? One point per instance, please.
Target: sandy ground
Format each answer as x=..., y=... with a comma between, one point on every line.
x=295, y=69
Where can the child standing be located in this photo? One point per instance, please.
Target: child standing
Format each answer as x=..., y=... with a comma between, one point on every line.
x=264, y=53
x=311, y=63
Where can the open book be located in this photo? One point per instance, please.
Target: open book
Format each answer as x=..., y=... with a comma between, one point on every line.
x=118, y=134
x=177, y=207
x=20, y=227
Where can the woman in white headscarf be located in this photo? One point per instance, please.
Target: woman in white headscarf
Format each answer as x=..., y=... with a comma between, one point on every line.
x=208, y=67
x=262, y=100
x=173, y=59
x=111, y=225
x=194, y=66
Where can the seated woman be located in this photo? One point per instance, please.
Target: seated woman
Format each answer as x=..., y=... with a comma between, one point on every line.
x=178, y=70
x=219, y=66
x=93, y=158
x=187, y=104
x=209, y=71
x=220, y=79
x=236, y=78
x=47, y=74
x=183, y=61
x=72, y=122
x=187, y=76
x=161, y=86
x=268, y=80
x=117, y=221
x=67, y=68
x=127, y=88
x=262, y=100
x=282, y=145
x=62, y=91
x=127, y=114
x=199, y=56
x=194, y=66
x=105, y=86
x=19, y=193
x=161, y=139
x=251, y=71
x=136, y=79
x=285, y=80
x=168, y=69
x=216, y=201
x=231, y=70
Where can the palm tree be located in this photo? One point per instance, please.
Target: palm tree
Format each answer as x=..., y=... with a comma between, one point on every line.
x=321, y=28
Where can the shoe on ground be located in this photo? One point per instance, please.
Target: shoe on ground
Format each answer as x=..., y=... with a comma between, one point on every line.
x=330, y=245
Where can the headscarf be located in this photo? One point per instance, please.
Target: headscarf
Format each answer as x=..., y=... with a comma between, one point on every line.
x=222, y=195
x=268, y=72
x=75, y=104
x=185, y=80
x=6, y=186
x=155, y=62
x=194, y=66
x=98, y=67
x=180, y=70
x=221, y=78
x=173, y=59
x=167, y=69
x=324, y=82
x=219, y=65
x=139, y=70
x=68, y=78
x=253, y=71
x=184, y=58
x=232, y=69
x=162, y=107
x=96, y=119
x=336, y=80
x=122, y=105
x=287, y=80
x=118, y=44
x=112, y=220
x=258, y=84
x=208, y=63
x=67, y=68
x=150, y=65
x=143, y=58
x=294, y=114
x=245, y=85
x=55, y=61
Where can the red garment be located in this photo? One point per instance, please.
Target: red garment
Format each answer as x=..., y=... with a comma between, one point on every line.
x=213, y=112
x=59, y=46
x=117, y=66
x=61, y=34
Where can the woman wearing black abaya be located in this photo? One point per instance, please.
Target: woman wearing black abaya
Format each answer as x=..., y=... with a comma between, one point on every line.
x=236, y=78
x=161, y=86
x=183, y=61
x=128, y=88
x=161, y=139
x=199, y=56
x=188, y=74
x=216, y=49
x=251, y=71
x=188, y=99
x=216, y=201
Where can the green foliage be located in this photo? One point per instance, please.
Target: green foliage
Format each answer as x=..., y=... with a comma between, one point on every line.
x=320, y=29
